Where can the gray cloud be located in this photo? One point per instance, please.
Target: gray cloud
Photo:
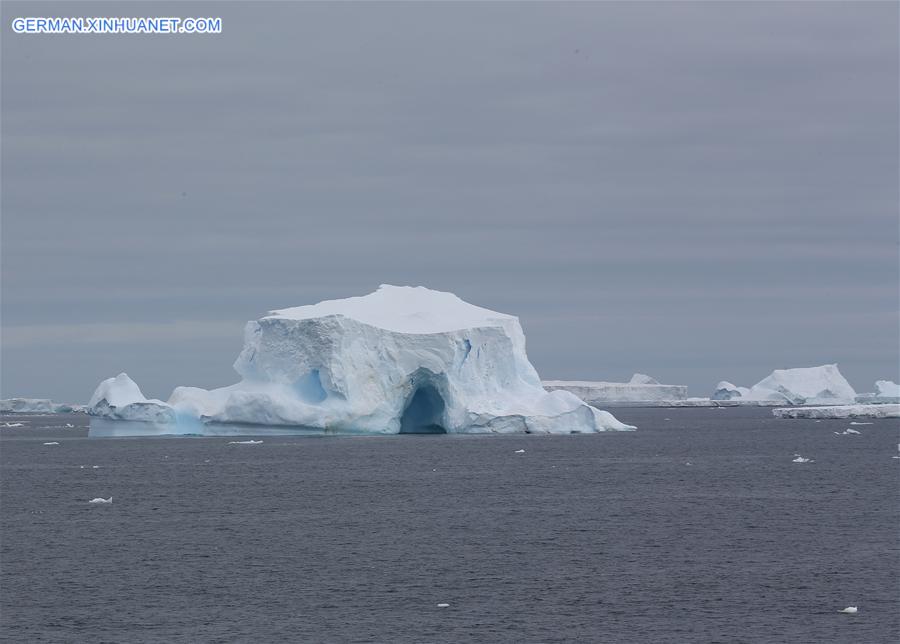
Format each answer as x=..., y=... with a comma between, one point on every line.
x=695, y=190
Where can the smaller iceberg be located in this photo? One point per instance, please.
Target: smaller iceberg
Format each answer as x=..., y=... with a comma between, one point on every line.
x=886, y=392
x=120, y=398
x=100, y=501
x=821, y=385
x=727, y=391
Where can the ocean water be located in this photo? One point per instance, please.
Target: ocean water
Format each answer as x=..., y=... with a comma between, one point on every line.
x=696, y=528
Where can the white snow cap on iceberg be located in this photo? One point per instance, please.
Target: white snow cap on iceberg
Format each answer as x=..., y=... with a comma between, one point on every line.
x=800, y=386
x=401, y=359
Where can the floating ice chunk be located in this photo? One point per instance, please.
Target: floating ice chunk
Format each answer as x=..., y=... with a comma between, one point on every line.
x=52, y=443
x=801, y=459
x=850, y=610
x=519, y=451
x=95, y=467
x=15, y=424
x=851, y=431
x=69, y=425
x=251, y=442
x=853, y=422
x=443, y=605
x=100, y=500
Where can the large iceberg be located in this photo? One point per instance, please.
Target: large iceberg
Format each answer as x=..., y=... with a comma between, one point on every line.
x=822, y=385
x=640, y=391
x=399, y=360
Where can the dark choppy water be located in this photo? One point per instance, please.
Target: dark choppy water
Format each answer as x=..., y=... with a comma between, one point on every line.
x=601, y=538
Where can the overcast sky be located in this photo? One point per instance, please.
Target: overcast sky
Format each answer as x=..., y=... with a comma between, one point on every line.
x=694, y=191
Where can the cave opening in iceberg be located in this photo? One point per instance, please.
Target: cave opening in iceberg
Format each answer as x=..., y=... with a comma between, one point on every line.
x=424, y=413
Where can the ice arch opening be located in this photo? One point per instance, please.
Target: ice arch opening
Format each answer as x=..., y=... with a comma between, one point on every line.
x=424, y=412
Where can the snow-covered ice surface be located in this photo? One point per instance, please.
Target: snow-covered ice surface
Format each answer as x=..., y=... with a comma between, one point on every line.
x=641, y=390
x=399, y=360
x=802, y=386
x=840, y=411
x=36, y=406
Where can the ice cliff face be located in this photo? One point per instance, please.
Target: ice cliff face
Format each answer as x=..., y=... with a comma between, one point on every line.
x=399, y=360
x=803, y=386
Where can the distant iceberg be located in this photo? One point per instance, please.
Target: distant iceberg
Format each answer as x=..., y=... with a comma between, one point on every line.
x=399, y=360
x=36, y=406
x=822, y=385
x=640, y=391
x=886, y=391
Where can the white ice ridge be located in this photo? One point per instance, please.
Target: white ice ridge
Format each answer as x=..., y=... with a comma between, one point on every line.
x=36, y=406
x=803, y=386
x=399, y=360
x=641, y=390
x=840, y=411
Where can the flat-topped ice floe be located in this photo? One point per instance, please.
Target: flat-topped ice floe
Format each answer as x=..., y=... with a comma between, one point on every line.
x=821, y=385
x=399, y=360
x=840, y=411
x=640, y=391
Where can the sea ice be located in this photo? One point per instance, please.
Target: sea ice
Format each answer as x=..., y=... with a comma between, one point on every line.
x=244, y=442
x=100, y=500
x=399, y=360
x=52, y=443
